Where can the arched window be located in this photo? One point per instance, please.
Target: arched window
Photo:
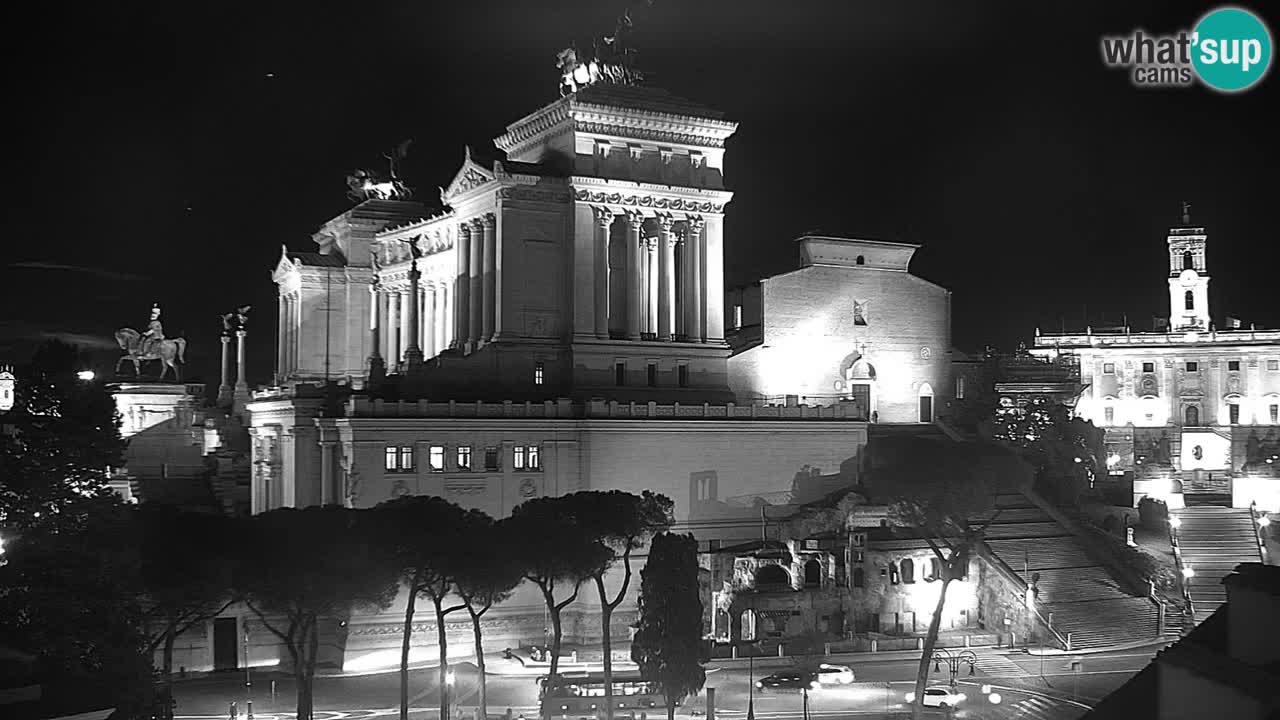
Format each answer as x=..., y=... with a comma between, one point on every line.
x=1192, y=415
x=908, y=571
x=812, y=573
x=935, y=570
x=859, y=578
x=860, y=261
x=1188, y=261
x=772, y=575
x=1189, y=300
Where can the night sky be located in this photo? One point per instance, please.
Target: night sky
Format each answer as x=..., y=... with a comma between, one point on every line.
x=164, y=153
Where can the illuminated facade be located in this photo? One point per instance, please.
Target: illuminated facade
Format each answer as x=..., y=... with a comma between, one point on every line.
x=852, y=326
x=1192, y=408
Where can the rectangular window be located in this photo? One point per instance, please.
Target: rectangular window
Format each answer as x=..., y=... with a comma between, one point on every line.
x=1273, y=365
x=406, y=458
x=1233, y=365
x=1109, y=368
x=1110, y=414
x=436, y=458
x=960, y=388
x=619, y=374
x=859, y=313
x=1193, y=367
x=682, y=375
x=491, y=458
x=398, y=458
x=464, y=457
x=392, y=459
x=1233, y=411
x=1275, y=414
x=1148, y=367
x=737, y=316
x=517, y=461
x=534, y=457
x=652, y=375
x=538, y=369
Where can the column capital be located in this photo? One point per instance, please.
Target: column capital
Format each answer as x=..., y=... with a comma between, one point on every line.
x=695, y=222
x=604, y=216
x=477, y=224
x=666, y=222
x=489, y=220
x=635, y=219
x=240, y=333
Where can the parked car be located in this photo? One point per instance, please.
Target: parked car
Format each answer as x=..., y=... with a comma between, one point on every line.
x=834, y=674
x=939, y=696
x=788, y=680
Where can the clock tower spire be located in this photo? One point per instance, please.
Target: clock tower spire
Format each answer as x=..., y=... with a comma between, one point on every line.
x=1188, y=276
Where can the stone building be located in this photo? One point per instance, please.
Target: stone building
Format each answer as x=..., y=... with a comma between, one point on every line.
x=560, y=325
x=1193, y=407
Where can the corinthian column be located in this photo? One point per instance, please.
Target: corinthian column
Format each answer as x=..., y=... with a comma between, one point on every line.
x=280, y=338
x=651, y=286
x=242, y=385
x=377, y=369
x=666, y=283
x=429, y=321
x=489, y=285
x=604, y=220
x=475, y=287
x=634, y=298
x=413, y=352
x=462, y=288
x=696, y=307
x=224, y=390
x=393, y=329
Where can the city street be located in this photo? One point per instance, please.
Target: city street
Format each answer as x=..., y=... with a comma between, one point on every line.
x=880, y=687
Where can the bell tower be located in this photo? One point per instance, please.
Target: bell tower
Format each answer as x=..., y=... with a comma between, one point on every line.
x=1188, y=276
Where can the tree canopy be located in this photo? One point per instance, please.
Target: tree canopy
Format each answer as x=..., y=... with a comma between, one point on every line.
x=668, y=643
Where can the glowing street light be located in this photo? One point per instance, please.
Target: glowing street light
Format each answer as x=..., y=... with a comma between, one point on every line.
x=1264, y=521
x=1188, y=572
x=86, y=375
x=1175, y=522
x=449, y=678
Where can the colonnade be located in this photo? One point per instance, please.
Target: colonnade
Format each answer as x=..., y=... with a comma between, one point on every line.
x=664, y=275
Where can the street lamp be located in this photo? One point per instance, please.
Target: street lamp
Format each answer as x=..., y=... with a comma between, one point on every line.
x=449, y=679
x=86, y=375
x=954, y=661
x=1188, y=572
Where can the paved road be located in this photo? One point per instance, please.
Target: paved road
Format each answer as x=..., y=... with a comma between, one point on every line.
x=880, y=688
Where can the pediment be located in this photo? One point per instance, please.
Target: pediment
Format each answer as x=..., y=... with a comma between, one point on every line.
x=284, y=266
x=470, y=176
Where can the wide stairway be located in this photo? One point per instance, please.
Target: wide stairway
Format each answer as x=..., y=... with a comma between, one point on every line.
x=1084, y=599
x=1214, y=540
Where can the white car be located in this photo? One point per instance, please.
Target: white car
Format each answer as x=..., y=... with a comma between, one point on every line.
x=834, y=674
x=940, y=696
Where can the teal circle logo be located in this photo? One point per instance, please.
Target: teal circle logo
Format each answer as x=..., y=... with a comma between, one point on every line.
x=1231, y=49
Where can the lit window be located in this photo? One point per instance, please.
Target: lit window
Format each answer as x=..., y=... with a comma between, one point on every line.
x=1193, y=367
x=652, y=375
x=517, y=462
x=1148, y=367
x=406, y=458
x=534, y=457
x=682, y=375
x=436, y=458
x=1109, y=368
x=737, y=316
x=1233, y=365
x=526, y=458
x=619, y=374
x=399, y=458
x=960, y=388
x=392, y=459
x=537, y=373
x=464, y=457
x=491, y=458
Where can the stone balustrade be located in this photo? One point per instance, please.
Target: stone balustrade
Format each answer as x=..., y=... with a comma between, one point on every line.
x=565, y=409
x=1049, y=341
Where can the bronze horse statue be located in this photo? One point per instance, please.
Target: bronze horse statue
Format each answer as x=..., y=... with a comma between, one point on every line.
x=165, y=351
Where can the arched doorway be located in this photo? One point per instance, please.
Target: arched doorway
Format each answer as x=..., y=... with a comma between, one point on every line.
x=1191, y=416
x=860, y=382
x=813, y=573
x=772, y=575
x=926, y=403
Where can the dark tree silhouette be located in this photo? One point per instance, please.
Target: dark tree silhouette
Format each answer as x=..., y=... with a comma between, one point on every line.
x=668, y=643
x=302, y=566
x=943, y=491
x=555, y=551
x=622, y=522
x=488, y=572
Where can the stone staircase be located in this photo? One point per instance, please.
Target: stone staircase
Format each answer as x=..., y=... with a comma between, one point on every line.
x=1084, y=599
x=1213, y=541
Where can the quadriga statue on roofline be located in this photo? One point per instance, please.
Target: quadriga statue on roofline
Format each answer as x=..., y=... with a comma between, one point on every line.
x=141, y=347
x=366, y=185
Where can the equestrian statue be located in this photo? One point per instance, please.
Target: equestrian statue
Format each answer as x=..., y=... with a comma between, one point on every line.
x=151, y=345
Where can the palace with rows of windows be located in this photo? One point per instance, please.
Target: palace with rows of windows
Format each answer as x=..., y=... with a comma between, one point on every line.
x=1193, y=408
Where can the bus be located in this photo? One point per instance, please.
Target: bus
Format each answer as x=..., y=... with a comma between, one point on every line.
x=580, y=696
